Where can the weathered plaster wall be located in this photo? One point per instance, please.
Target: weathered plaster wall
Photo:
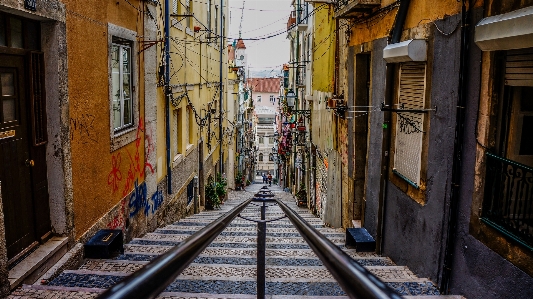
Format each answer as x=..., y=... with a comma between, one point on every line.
x=478, y=271
x=375, y=137
x=420, y=12
x=407, y=221
x=323, y=50
x=101, y=175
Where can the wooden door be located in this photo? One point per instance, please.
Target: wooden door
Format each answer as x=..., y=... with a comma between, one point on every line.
x=15, y=172
x=23, y=162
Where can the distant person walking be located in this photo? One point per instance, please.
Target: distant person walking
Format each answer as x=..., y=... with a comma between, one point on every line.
x=269, y=179
x=264, y=178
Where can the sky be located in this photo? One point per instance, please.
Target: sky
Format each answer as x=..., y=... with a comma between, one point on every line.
x=262, y=18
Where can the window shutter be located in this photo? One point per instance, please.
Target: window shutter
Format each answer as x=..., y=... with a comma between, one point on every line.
x=519, y=67
x=37, y=98
x=408, y=150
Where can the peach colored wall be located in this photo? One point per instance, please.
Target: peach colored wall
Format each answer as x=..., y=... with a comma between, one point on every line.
x=101, y=178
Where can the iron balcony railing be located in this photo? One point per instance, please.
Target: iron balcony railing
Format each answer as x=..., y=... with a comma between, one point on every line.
x=151, y=280
x=508, y=201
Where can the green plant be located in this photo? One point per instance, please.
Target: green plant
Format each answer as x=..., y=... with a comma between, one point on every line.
x=238, y=178
x=248, y=182
x=301, y=195
x=275, y=180
x=212, y=199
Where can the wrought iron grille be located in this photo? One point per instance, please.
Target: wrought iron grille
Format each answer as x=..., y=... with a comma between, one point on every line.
x=508, y=202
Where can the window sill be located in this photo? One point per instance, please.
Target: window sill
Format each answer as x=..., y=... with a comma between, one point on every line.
x=189, y=149
x=122, y=138
x=177, y=25
x=177, y=160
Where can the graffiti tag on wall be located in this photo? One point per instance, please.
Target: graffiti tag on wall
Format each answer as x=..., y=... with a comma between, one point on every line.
x=139, y=201
x=136, y=166
x=82, y=127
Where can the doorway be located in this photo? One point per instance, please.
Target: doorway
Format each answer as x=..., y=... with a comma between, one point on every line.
x=362, y=100
x=23, y=137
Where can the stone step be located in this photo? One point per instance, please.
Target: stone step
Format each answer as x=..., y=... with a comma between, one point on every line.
x=251, y=260
x=233, y=242
x=232, y=286
x=226, y=271
x=288, y=229
x=47, y=292
x=271, y=232
x=250, y=251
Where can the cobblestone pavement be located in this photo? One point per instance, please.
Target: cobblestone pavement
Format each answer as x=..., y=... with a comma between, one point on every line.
x=227, y=267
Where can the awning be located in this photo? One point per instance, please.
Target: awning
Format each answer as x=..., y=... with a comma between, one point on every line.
x=409, y=50
x=513, y=30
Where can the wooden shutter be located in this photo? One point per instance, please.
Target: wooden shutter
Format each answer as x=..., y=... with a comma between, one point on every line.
x=411, y=95
x=519, y=67
x=38, y=98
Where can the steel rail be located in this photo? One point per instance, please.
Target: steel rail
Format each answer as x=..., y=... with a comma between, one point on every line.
x=152, y=279
x=353, y=278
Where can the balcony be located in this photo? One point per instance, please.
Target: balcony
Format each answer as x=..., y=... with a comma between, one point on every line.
x=292, y=20
x=508, y=201
x=353, y=8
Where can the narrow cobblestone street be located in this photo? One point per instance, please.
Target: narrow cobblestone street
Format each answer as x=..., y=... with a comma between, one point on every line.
x=227, y=268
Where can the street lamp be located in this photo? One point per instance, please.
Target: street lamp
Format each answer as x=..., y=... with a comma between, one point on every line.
x=291, y=96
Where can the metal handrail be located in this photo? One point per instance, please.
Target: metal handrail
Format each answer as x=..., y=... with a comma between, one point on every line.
x=353, y=278
x=152, y=279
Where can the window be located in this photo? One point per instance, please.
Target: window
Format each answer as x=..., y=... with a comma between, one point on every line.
x=187, y=4
x=261, y=139
x=175, y=6
x=216, y=20
x=177, y=132
x=121, y=83
x=261, y=157
x=123, y=99
x=190, y=119
x=209, y=15
x=258, y=98
x=270, y=157
x=272, y=99
x=409, y=126
x=509, y=167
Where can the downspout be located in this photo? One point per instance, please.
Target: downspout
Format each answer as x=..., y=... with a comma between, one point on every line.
x=385, y=152
x=221, y=87
x=458, y=149
x=167, y=92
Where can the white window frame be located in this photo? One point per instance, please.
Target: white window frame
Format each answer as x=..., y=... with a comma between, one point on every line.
x=122, y=49
x=126, y=134
x=259, y=98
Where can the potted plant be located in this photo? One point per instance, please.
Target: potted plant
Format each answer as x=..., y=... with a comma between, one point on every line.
x=301, y=195
x=212, y=200
x=238, y=180
x=220, y=187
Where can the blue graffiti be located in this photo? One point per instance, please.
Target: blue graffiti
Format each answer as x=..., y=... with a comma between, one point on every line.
x=139, y=200
x=157, y=201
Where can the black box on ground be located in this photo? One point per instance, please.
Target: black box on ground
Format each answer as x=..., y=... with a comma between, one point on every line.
x=360, y=239
x=106, y=243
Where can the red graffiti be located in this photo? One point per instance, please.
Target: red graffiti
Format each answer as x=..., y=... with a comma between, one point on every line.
x=115, y=175
x=129, y=180
x=135, y=169
x=118, y=221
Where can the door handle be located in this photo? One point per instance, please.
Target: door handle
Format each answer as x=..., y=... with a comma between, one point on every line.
x=29, y=163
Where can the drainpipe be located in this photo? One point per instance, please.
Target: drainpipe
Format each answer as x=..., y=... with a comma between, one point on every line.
x=389, y=95
x=221, y=86
x=458, y=149
x=167, y=93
